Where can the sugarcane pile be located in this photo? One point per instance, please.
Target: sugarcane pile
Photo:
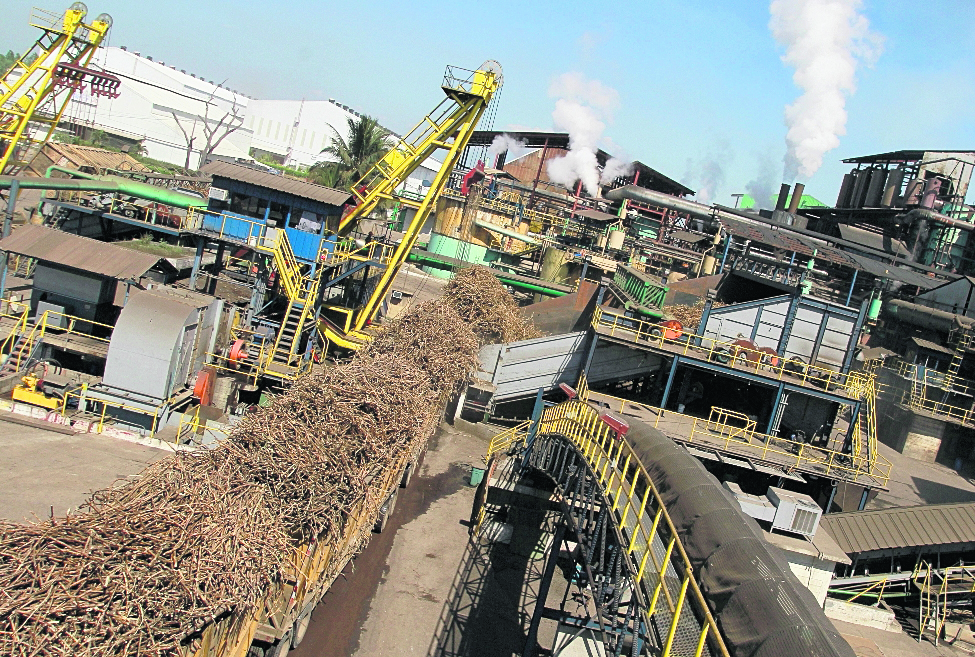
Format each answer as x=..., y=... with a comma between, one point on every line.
x=689, y=316
x=200, y=534
x=491, y=311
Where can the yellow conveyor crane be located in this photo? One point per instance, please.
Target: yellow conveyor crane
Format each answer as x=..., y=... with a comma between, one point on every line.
x=35, y=91
x=447, y=128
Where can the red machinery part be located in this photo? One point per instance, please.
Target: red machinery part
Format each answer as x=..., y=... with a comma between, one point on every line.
x=238, y=351
x=617, y=424
x=674, y=329
x=203, y=390
x=568, y=390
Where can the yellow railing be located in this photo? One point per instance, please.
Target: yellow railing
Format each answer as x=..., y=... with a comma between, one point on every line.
x=869, y=465
x=347, y=249
x=190, y=424
x=919, y=403
x=48, y=323
x=103, y=414
x=927, y=377
x=730, y=423
x=711, y=349
x=504, y=440
x=640, y=515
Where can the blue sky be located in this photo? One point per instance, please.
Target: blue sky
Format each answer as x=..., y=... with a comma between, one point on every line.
x=700, y=81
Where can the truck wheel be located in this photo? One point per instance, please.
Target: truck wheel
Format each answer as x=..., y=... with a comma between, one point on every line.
x=255, y=651
x=298, y=632
x=385, y=514
x=281, y=648
x=407, y=475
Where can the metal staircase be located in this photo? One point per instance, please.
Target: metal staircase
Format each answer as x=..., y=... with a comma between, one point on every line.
x=961, y=339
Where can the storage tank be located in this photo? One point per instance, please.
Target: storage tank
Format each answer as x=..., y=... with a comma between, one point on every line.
x=912, y=195
x=601, y=241
x=931, y=190
x=875, y=188
x=846, y=189
x=859, y=188
x=893, y=187
x=616, y=238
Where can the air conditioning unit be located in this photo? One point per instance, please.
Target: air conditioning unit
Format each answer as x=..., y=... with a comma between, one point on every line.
x=794, y=512
x=757, y=507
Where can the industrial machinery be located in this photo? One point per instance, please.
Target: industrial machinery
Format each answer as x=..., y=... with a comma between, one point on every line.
x=35, y=91
x=447, y=128
x=31, y=391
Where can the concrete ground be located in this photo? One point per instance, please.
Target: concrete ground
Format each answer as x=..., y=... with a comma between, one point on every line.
x=914, y=483
x=41, y=469
x=871, y=642
x=389, y=601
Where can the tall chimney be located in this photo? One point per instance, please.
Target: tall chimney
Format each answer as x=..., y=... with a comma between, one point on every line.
x=783, y=197
x=796, y=197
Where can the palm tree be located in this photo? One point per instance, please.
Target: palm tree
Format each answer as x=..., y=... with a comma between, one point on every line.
x=352, y=158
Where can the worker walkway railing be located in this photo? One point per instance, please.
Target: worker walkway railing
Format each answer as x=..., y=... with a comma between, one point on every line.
x=866, y=467
x=609, y=499
x=918, y=402
x=736, y=356
x=25, y=336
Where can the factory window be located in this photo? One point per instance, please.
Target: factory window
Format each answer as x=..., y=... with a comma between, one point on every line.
x=260, y=126
x=279, y=213
x=277, y=130
x=250, y=206
x=304, y=133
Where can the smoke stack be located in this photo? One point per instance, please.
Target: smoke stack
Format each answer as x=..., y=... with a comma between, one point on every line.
x=783, y=197
x=796, y=197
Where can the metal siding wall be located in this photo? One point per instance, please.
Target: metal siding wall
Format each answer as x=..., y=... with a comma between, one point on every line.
x=727, y=326
x=771, y=325
x=88, y=288
x=802, y=340
x=836, y=338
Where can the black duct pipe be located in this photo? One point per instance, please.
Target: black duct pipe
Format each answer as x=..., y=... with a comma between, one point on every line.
x=783, y=196
x=927, y=318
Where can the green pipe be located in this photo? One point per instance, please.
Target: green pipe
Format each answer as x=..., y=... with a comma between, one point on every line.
x=111, y=184
x=440, y=264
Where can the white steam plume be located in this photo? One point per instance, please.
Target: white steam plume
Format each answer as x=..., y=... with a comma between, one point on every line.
x=614, y=168
x=825, y=41
x=581, y=109
x=762, y=188
x=505, y=144
x=708, y=174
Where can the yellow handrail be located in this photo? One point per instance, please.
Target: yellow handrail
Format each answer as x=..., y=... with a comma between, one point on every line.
x=711, y=349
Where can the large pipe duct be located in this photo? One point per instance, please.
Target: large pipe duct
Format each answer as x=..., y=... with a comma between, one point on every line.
x=487, y=225
x=796, y=197
x=650, y=197
x=783, y=196
x=927, y=318
x=106, y=184
x=933, y=215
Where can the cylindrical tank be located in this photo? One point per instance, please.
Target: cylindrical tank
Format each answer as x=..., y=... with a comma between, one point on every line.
x=893, y=187
x=552, y=261
x=875, y=188
x=783, y=197
x=930, y=194
x=873, y=312
x=859, y=188
x=616, y=238
x=912, y=195
x=846, y=189
x=449, y=214
x=601, y=241
x=796, y=197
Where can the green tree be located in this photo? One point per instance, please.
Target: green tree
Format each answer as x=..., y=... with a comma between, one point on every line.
x=352, y=158
x=7, y=61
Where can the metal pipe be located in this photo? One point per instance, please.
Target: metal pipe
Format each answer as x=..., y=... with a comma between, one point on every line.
x=929, y=318
x=783, y=196
x=796, y=197
x=108, y=184
x=644, y=195
x=932, y=215
x=487, y=225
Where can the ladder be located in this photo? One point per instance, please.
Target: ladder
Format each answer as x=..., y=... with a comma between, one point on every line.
x=35, y=92
x=961, y=340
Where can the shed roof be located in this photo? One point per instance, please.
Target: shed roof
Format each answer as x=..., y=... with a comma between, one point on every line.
x=858, y=532
x=596, y=215
x=874, y=240
x=278, y=183
x=83, y=253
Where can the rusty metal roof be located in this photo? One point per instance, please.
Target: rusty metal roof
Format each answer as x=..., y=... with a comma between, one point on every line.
x=77, y=157
x=278, y=183
x=82, y=253
x=858, y=532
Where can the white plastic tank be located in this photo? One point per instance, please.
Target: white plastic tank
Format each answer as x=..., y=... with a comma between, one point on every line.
x=616, y=238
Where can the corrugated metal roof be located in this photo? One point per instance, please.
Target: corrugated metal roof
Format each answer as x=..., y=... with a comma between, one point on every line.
x=279, y=183
x=932, y=346
x=596, y=215
x=81, y=253
x=858, y=532
x=874, y=240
